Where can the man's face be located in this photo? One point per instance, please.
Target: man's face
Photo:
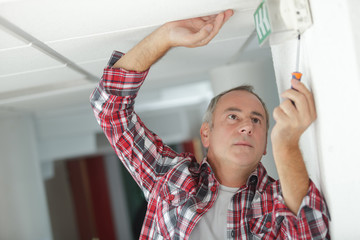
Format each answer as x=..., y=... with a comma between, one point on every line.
x=237, y=138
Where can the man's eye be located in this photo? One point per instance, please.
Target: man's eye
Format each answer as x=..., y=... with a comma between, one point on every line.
x=256, y=120
x=232, y=117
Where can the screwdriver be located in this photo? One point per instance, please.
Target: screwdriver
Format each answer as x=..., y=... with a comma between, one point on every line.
x=297, y=74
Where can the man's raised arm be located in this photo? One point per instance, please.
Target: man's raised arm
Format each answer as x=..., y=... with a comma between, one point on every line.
x=193, y=32
x=141, y=151
x=293, y=117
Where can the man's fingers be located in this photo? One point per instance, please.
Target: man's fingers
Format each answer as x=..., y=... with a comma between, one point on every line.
x=210, y=17
x=295, y=114
x=197, y=32
x=223, y=18
x=309, y=97
x=208, y=31
x=203, y=36
x=300, y=108
x=219, y=21
x=279, y=114
x=288, y=108
x=217, y=24
x=303, y=110
x=228, y=14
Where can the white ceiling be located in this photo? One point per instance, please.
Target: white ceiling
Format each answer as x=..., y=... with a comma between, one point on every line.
x=82, y=34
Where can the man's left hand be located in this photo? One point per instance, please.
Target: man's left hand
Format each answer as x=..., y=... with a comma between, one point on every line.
x=294, y=115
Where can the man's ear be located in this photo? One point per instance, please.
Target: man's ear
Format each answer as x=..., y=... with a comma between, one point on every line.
x=204, y=133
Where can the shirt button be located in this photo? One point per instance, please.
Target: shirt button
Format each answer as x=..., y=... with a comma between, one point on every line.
x=213, y=189
x=233, y=233
x=268, y=225
x=171, y=197
x=199, y=210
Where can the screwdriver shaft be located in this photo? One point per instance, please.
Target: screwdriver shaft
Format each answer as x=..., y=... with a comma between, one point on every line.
x=298, y=55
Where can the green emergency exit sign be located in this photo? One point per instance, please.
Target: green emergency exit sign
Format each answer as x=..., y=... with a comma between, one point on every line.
x=262, y=23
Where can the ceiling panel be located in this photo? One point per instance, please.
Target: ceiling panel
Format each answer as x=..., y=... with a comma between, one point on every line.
x=69, y=19
x=22, y=60
x=241, y=24
x=37, y=79
x=67, y=97
x=9, y=41
x=90, y=48
x=96, y=67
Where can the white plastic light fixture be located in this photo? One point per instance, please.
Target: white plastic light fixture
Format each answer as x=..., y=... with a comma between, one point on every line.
x=279, y=20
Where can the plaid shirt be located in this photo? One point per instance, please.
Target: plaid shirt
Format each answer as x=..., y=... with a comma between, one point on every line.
x=180, y=191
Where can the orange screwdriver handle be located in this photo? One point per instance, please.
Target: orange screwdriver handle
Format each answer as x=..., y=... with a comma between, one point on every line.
x=296, y=75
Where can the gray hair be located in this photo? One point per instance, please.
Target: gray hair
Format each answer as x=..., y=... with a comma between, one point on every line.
x=208, y=116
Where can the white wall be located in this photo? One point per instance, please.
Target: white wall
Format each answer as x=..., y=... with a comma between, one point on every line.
x=23, y=207
x=63, y=133
x=330, y=64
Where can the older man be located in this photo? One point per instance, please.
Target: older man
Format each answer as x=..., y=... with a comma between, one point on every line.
x=229, y=194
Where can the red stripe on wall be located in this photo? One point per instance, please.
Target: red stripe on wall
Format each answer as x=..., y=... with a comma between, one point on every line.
x=91, y=198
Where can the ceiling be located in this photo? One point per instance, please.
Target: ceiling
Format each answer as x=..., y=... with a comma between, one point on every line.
x=52, y=53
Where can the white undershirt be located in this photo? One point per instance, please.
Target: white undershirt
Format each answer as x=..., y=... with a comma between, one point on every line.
x=213, y=223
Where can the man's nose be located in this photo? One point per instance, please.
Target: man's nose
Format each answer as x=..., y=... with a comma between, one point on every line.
x=246, y=127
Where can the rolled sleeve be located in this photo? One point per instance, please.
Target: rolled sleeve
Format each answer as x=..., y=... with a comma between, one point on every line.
x=121, y=82
x=312, y=219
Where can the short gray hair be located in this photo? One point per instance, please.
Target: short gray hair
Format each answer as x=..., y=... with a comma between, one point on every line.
x=208, y=116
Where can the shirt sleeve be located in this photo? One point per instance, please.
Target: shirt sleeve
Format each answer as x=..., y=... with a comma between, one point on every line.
x=311, y=221
x=142, y=152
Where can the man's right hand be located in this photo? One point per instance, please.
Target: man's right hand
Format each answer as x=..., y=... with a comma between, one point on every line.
x=194, y=32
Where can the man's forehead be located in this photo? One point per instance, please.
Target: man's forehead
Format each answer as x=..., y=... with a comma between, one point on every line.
x=239, y=99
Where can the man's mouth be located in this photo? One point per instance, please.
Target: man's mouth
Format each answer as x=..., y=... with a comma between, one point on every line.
x=243, y=143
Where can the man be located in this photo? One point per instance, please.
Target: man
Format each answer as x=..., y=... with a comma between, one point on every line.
x=228, y=195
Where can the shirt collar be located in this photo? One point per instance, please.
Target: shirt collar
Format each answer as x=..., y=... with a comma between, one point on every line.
x=258, y=176
x=205, y=165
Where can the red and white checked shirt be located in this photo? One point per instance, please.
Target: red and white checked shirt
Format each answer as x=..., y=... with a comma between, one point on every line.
x=180, y=191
